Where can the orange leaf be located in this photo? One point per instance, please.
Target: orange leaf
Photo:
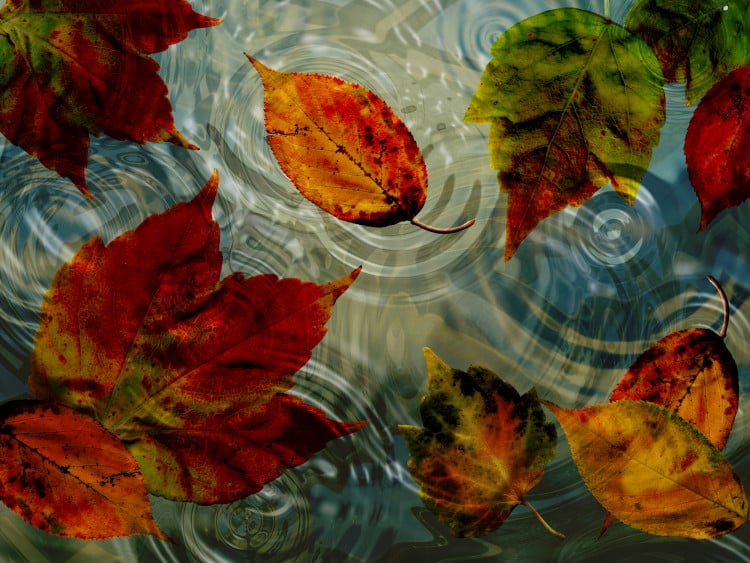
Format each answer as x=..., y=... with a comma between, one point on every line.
x=187, y=369
x=692, y=373
x=65, y=474
x=344, y=148
x=653, y=470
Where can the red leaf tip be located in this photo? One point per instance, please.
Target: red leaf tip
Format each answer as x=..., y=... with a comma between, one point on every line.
x=208, y=192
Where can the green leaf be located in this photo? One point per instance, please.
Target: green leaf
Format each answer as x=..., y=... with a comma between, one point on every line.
x=696, y=41
x=483, y=447
x=574, y=101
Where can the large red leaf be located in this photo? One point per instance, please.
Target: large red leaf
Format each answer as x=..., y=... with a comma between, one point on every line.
x=716, y=146
x=71, y=68
x=65, y=474
x=188, y=370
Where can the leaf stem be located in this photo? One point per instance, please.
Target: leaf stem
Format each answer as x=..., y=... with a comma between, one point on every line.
x=543, y=522
x=725, y=304
x=441, y=231
x=606, y=9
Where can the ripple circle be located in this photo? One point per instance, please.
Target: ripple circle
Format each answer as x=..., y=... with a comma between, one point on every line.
x=273, y=524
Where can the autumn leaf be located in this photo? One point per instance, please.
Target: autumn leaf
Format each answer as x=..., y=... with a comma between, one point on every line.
x=344, y=148
x=65, y=474
x=188, y=370
x=653, y=470
x=573, y=104
x=696, y=41
x=716, y=146
x=483, y=448
x=74, y=68
x=692, y=373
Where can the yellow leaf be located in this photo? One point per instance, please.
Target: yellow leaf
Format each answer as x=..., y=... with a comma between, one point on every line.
x=653, y=470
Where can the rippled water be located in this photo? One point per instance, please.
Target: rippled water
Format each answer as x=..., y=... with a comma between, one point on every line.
x=586, y=293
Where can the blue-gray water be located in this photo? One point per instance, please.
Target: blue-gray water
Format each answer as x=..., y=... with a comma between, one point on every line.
x=588, y=291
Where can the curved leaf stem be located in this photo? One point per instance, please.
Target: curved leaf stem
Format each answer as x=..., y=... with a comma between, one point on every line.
x=725, y=304
x=439, y=230
x=543, y=522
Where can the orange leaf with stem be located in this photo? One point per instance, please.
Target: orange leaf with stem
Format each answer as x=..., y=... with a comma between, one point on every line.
x=345, y=149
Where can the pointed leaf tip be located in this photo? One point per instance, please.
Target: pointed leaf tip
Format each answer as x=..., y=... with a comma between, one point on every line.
x=260, y=68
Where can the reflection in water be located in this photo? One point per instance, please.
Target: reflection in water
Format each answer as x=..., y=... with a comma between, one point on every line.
x=586, y=293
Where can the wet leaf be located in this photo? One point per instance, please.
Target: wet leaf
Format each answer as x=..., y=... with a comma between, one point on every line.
x=716, y=146
x=65, y=474
x=187, y=369
x=692, y=373
x=573, y=104
x=74, y=68
x=696, y=41
x=653, y=470
x=344, y=148
x=483, y=447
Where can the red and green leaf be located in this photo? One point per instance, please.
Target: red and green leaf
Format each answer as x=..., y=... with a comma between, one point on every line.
x=716, y=146
x=344, y=148
x=575, y=101
x=483, y=447
x=62, y=472
x=188, y=370
x=697, y=42
x=74, y=68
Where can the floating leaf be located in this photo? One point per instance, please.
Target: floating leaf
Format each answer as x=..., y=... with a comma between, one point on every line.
x=696, y=41
x=653, y=470
x=690, y=372
x=189, y=371
x=716, y=146
x=573, y=104
x=344, y=149
x=65, y=474
x=71, y=68
x=483, y=448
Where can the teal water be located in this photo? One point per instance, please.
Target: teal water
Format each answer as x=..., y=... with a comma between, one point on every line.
x=588, y=291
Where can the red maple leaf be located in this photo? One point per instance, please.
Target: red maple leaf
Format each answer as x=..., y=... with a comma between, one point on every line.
x=71, y=68
x=188, y=370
